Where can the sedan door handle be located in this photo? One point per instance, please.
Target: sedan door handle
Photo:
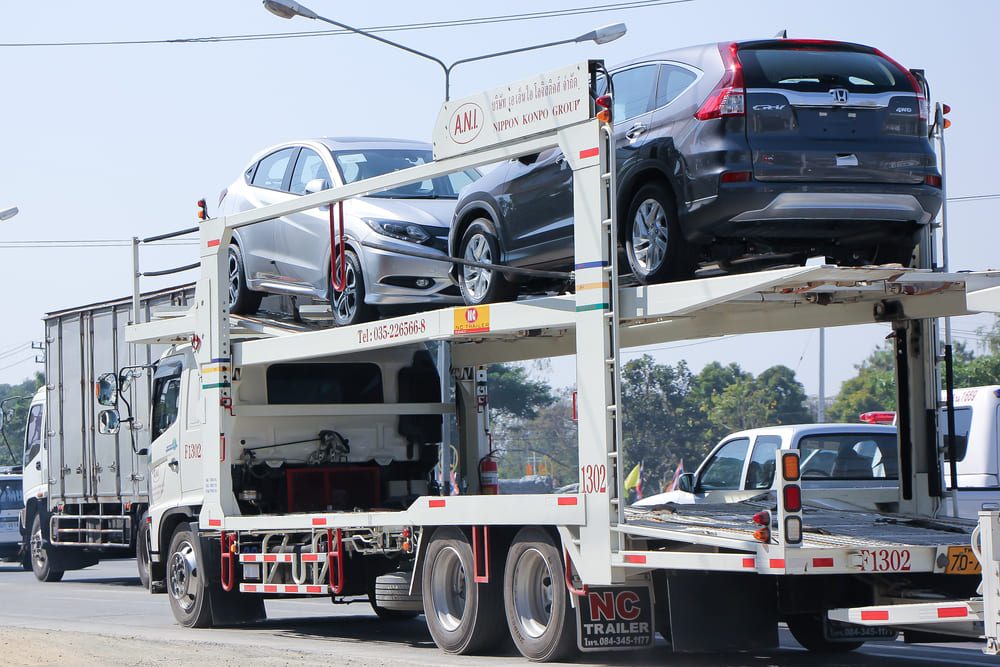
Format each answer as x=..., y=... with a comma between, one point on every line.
x=635, y=131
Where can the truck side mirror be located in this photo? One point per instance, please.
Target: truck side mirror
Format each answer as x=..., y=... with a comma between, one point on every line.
x=107, y=389
x=108, y=422
x=686, y=482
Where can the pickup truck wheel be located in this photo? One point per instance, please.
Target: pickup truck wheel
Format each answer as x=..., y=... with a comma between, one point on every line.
x=478, y=285
x=463, y=617
x=186, y=584
x=142, y=549
x=808, y=631
x=242, y=301
x=41, y=564
x=656, y=249
x=535, y=598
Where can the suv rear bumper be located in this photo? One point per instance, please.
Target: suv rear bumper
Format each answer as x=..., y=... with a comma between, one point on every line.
x=843, y=212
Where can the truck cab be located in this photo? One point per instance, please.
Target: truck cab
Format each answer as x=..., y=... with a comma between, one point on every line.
x=977, y=447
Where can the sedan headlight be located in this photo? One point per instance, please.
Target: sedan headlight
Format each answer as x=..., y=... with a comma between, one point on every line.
x=404, y=231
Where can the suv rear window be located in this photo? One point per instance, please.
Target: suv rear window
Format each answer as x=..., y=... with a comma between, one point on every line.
x=819, y=70
x=305, y=384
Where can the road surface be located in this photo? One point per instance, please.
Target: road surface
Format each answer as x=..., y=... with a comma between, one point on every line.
x=102, y=616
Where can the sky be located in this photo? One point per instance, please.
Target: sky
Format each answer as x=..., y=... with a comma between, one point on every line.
x=110, y=142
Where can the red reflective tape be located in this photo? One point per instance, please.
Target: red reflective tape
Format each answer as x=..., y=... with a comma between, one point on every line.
x=777, y=563
x=589, y=152
x=213, y=243
x=877, y=615
x=310, y=558
x=436, y=502
x=270, y=558
x=749, y=562
x=215, y=522
x=952, y=612
x=249, y=558
x=314, y=589
x=635, y=558
x=291, y=589
x=822, y=562
x=249, y=588
x=319, y=521
x=566, y=500
x=270, y=588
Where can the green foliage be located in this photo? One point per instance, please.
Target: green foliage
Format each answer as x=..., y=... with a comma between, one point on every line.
x=514, y=393
x=16, y=416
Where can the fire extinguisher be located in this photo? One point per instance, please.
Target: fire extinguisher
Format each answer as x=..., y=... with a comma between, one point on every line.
x=489, y=475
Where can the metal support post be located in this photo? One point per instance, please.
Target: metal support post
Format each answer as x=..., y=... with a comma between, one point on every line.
x=589, y=151
x=988, y=552
x=136, y=293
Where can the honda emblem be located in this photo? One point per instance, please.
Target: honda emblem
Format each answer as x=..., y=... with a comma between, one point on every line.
x=839, y=95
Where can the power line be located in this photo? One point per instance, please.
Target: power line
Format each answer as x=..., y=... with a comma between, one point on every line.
x=995, y=195
x=18, y=363
x=85, y=243
x=429, y=25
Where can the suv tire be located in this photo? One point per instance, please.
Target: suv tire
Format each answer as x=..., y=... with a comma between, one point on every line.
x=657, y=251
x=479, y=286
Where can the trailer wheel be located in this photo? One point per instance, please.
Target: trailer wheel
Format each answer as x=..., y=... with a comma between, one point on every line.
x=389, y=596
x=535, y=597
x=142, y=548
x=808, y=631
x=463, y=617
x=186, y=583
x=41, y=564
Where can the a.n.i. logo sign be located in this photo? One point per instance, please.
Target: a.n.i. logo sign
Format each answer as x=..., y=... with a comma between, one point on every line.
x=466, y=123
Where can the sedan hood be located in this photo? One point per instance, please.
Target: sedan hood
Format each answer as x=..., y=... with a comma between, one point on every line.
x=432, y=212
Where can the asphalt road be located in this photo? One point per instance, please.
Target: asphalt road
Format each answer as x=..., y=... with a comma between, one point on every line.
x=104, y=607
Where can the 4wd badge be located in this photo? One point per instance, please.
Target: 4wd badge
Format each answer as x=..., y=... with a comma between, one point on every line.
x=473, y=319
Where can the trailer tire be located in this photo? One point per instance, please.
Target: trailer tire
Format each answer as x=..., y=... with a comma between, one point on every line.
x=808, y=631
x=142, y=548
x=186, y=581
x=536, y=600
x=390, y=598
x=463, y=617
x=41, y=563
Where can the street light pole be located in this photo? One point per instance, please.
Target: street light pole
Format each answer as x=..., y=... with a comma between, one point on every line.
x=287, y=9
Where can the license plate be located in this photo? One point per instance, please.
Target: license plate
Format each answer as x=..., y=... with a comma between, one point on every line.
x=961, y=560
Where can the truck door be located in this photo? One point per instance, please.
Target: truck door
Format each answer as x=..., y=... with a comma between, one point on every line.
x=35, y=476
x=191, y=445
x=164, y=452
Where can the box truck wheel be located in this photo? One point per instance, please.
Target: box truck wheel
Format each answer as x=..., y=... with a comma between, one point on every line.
x=142, y=551
x=186, y=583
x=41, y=564
x=463, y=617
x=808, y=631
x=535, y=597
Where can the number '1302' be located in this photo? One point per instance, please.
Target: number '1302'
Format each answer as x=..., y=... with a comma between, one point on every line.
x=594, y=478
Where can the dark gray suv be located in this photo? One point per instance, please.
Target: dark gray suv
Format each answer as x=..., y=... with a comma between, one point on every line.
x=741, y=153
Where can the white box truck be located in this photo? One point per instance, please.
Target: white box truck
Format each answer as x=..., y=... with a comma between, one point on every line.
x=86, y=493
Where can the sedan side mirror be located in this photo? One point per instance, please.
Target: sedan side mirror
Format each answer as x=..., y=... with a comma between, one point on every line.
x=317, y=185
x=108, y=422
x=686, y=482
x=107, y=389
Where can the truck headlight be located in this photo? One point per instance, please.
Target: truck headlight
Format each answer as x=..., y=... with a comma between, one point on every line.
x=404, y=231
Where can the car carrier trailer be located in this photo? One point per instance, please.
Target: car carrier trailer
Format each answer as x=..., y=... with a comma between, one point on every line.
x=264, y=495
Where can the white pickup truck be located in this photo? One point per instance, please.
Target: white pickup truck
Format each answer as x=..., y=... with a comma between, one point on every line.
x=977, y=448
x=835, y=457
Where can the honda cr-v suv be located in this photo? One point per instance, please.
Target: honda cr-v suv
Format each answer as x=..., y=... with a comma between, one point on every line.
x=774, y=150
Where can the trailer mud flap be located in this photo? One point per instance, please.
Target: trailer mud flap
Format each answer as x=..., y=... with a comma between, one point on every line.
x=614, y=618
x=722, y=612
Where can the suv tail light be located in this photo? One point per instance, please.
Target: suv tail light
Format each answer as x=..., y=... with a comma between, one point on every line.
x=728, y=98
x=922, y=105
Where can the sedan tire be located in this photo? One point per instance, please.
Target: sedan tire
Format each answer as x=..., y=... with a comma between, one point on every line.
x=349, y=305
x=242, y=300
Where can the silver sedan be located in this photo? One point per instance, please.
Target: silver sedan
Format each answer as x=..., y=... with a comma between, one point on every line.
x=292, y=255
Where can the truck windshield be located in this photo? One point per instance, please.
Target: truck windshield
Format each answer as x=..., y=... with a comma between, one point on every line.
x=358, y=165
x=10, y=494
x=848, y=456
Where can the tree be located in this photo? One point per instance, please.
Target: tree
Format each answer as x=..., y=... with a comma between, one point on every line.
x=514, y=393
x=17, y=412
x=873, y=388
x=773, y=397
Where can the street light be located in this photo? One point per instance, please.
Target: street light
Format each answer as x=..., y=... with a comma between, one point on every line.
x=8, y=213
x=287, y=9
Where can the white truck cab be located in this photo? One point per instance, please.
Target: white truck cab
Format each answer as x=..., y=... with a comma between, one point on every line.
x=977, y=447
x=843, y=466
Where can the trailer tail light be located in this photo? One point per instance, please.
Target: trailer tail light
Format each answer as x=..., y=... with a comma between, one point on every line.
x=762, y=518
x=604, y=102
x=793, y=529
x=790, y=466
x=792, y=495
x=762, y=535
x=202, y=209
x=728, y=98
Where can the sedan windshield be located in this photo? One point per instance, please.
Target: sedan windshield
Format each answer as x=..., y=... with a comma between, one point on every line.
x=361, y=164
